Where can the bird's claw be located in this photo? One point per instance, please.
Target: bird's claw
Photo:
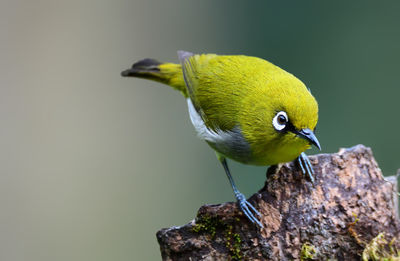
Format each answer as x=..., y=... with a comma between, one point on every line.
x=306, y=166
x=247, y=209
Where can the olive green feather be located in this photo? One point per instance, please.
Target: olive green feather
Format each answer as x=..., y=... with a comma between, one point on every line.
x=240, y=92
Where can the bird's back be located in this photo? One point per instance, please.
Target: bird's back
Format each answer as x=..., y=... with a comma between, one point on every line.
x=220, y=84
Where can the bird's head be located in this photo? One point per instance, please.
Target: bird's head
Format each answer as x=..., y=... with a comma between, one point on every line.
x=287, y=121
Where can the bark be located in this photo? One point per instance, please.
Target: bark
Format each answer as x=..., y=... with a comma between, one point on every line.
x=349, y=204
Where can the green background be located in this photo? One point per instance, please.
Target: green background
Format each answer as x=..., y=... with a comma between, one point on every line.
x=93, y=164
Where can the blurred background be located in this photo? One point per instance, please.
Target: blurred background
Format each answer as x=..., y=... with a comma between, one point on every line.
x=93, y=164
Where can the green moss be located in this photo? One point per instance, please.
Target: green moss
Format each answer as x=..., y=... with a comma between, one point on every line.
x=207, y=224
x=379, y=249
x=233, y=243
x=307, y=252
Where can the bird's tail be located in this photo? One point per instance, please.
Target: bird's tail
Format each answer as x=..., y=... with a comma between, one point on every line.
x=167, y=73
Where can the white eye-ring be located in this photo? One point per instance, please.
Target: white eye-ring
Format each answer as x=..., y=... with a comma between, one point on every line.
x=280, y=120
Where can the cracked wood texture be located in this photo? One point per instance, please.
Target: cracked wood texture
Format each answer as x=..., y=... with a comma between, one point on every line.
x=349, y=204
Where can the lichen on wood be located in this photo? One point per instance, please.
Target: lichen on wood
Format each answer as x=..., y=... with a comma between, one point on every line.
x=349, y=203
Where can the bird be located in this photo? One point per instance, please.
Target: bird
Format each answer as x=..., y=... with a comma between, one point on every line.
x=246, y=108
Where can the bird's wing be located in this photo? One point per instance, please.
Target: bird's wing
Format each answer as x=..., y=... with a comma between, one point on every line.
x=191, y=76
x=206, y=90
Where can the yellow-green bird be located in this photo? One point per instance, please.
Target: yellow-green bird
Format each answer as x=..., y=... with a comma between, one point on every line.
x=245, y=108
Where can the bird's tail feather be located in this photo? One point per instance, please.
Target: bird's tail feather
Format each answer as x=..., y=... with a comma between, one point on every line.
x=167, y=73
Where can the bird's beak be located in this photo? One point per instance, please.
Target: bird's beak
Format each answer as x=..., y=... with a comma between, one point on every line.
x=309, y=135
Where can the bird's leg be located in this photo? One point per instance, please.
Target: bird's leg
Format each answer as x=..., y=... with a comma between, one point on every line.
x=306, y=166
x=244, y=205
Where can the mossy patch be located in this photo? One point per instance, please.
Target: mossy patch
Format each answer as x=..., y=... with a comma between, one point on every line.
x=207, y=224
x=210, y=225
x=233, y=243
x=379, y=249
x=307, y=252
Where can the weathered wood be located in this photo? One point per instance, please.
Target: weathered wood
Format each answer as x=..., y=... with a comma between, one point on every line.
x=349, y=204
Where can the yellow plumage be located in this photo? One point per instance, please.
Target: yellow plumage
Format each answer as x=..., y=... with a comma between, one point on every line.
x=246, y=92
x=245, y=108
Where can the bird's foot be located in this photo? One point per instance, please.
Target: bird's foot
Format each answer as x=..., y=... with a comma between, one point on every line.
x=248, y=209
x=306, y=166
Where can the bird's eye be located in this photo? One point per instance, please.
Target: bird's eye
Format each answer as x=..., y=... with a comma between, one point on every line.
x=280, y=120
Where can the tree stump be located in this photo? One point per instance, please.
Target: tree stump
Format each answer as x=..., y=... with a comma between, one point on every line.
x=349, y=204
